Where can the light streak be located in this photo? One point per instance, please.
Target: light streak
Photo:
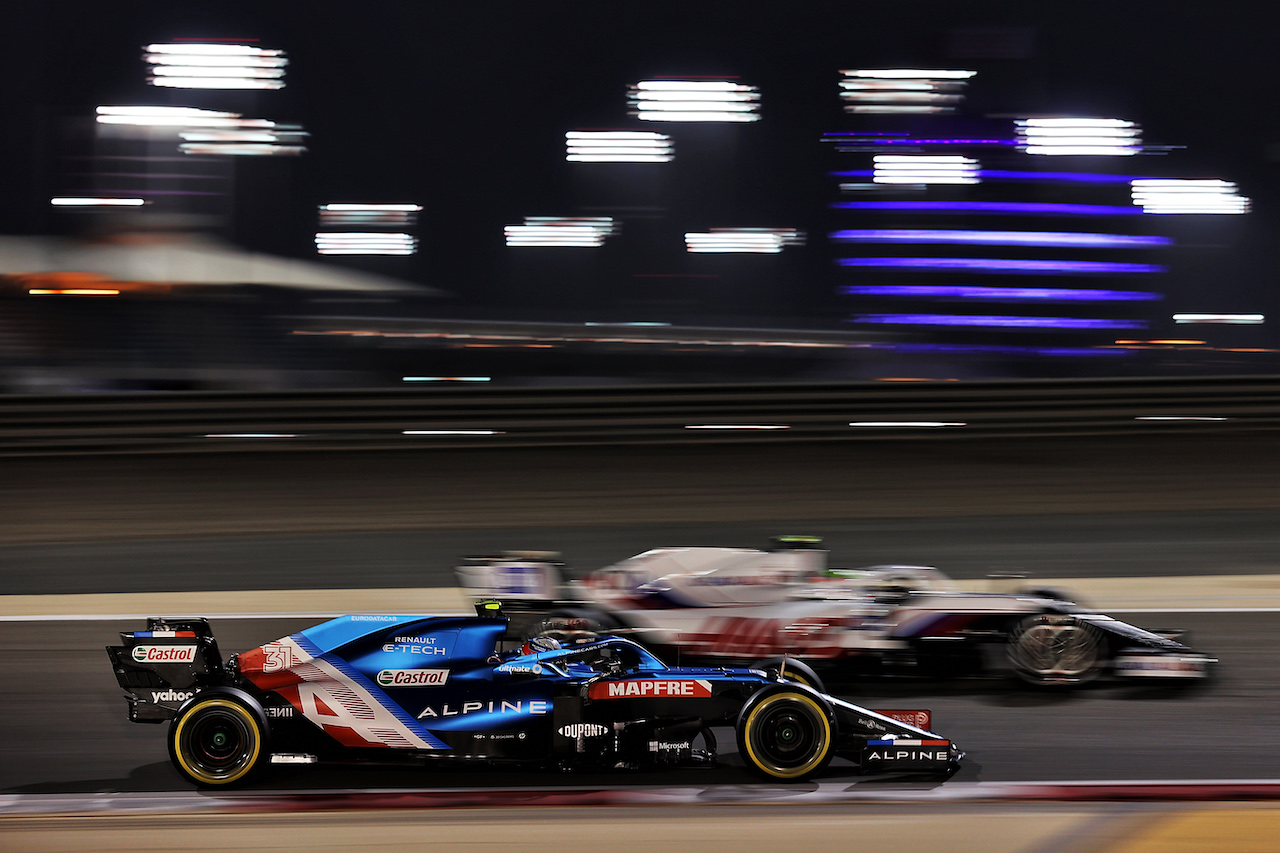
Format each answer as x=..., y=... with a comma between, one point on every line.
x=1007, y=266
x=998, y=238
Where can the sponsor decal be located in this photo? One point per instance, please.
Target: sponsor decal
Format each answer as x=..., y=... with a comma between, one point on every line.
x=164, y=654
x=919, y=719
x=1160, y=666
x=158, y=696
x=276, y=657
x=887, y=754
x=577, y=730
x=412, y=648
x=534, y=668
x=664, y=746
x=375, y=618
x=412, y=677
x=652, y=689
x=422, y=641
x=515, y=579
x=353, y=713
x=285, y=712
x=871, y=724
x=533, y=707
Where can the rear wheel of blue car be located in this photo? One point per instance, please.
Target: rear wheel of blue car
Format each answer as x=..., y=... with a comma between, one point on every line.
x=218, y=741
x=785, y=734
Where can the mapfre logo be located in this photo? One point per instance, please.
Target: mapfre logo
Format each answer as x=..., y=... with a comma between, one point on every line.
x=412, y=677
x=651, y=689
x=164, y=654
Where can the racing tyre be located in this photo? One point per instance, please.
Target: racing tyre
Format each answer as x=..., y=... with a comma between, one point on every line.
x=1050, y=650
x=790, y=669
x=218, y=740
x=785, y=734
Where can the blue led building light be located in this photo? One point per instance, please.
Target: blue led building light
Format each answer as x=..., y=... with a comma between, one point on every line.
x=995, y=321
x=1025, y=208
x=1001, y=294
x=1005, y=349
x=998, y=238
x=1004, y=266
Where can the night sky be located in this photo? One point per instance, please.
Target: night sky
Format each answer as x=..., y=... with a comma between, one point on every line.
x=462, y=107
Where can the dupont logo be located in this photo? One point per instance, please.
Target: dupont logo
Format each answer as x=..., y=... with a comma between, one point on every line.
x=577, y=730
x=412, y=677
x=650, y=689
x=164, y=654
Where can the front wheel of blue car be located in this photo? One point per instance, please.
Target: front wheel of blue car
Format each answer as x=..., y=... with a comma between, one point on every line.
x=785, y=734
x=790, y=669
x=218, y=741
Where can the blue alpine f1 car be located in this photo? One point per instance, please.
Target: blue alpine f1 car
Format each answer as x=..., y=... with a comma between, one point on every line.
x=412, y=687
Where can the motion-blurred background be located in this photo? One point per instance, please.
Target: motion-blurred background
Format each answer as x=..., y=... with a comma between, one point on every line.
x=290, y=195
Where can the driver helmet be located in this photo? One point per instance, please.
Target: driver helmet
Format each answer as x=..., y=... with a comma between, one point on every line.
x=539, y=644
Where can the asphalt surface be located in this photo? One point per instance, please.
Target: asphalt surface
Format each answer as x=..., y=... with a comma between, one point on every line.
x=1118, y=544
x=65, y=730
x=1156, y=506
x=760, y=486
x=972, y=828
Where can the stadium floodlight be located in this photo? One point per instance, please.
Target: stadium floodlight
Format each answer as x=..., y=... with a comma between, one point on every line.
x=1222, y=319
x=365, y=243
x=193, y=65
x=83, y=201
x=694, y=100
x=1157, y=195
x=232, y=149
x=743, y=240
x=563, y=232
x=925, y=169
x=1106, y=137
x=210, y=131
x=617, y=146
x=369, y=215
x=888, y=91
x=281, y=140
x=177, y=117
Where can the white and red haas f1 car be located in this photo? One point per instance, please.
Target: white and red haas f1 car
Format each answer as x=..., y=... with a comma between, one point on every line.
x=735, y=604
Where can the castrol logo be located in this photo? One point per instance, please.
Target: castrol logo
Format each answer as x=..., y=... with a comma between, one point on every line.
x=164, y=654
x=412, y=677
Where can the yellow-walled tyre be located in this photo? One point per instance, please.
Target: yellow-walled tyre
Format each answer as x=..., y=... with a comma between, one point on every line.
x=785, y=734
x=218, y=740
